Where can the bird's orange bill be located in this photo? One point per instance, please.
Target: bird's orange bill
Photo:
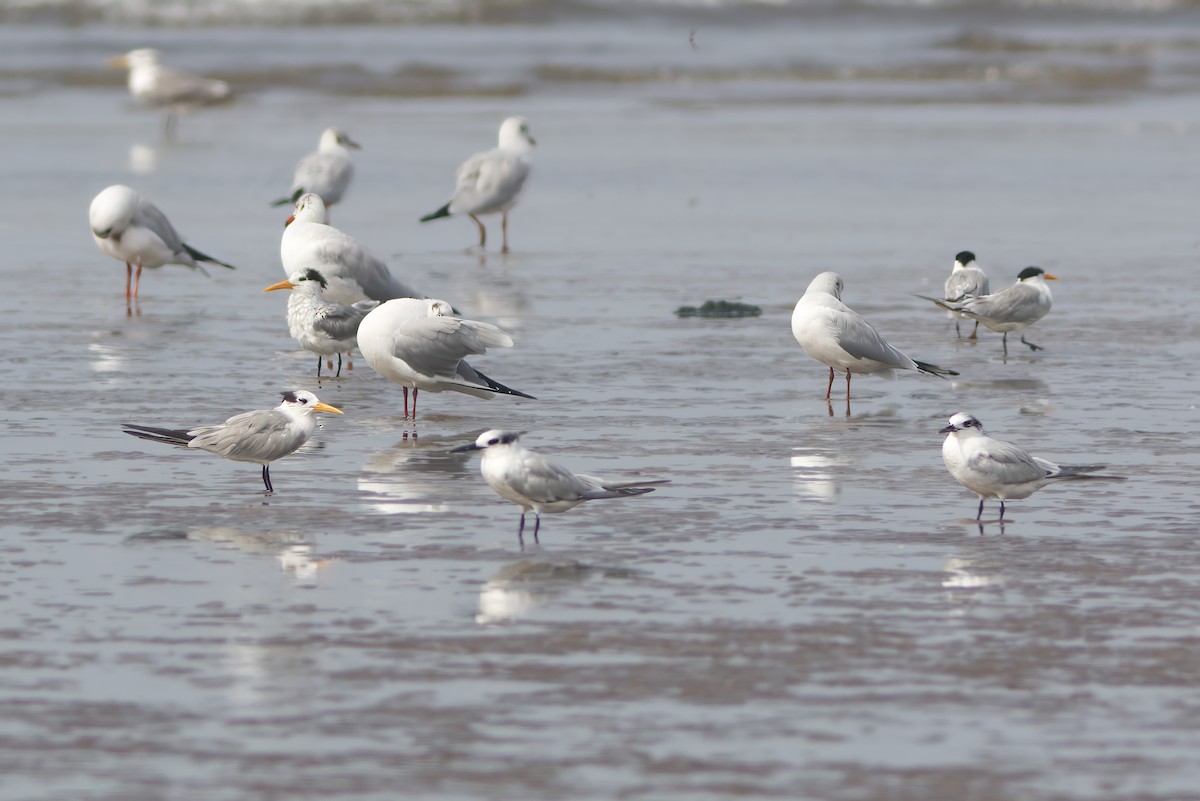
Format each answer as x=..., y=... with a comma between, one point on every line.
x=1049, y=277
x=325, y=407
x=280, y=285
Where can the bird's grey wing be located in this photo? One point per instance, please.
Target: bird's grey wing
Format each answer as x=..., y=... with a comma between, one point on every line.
x=344, y=256
x=606, y=488
x=148, y=216
x=263, y=435
x=338, y=320
x=436, y=345
x=378, y=283
x=966, y=283
x=1003, y=461
x=860, y=339
x=324, y=173
x=1017, y=304
x=544, y=481
x=489, y=180
x=176, y=86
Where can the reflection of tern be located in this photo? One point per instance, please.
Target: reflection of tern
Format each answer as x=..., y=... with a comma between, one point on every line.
x=992, y=468
x=836, y=335
x=163, y=87
x=966, y=280
x=353, y=274
x=1013, y=308
x=131, y=229
x=325, y=172
x=419, y=344
x=491, y=182
x=535, y=483
x=260, y=436
x=318, y=325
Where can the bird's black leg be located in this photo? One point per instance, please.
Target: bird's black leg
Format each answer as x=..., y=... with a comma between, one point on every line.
x=521, y=531
x=1004, y=342
x=957, y=330
x=319, y=360
x=979, y=514
x=537, y=524
x=1030, y=344
x=339, y=372
x=267, y=479
x=847, y=386
x=1001, y=510
x=414, y=417
x=975, y=332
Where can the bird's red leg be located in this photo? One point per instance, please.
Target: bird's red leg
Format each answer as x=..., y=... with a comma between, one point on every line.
x=847, y=385
x=405, y=403
x=482, y=231
x=137, y=280
x=128, y=279
x=829, y=388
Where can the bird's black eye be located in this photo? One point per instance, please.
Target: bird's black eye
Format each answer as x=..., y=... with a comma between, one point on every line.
x=493, y=441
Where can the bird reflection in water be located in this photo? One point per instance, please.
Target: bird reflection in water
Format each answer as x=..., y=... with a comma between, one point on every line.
x=521, y=587
x=412, y=476
x=812, y=469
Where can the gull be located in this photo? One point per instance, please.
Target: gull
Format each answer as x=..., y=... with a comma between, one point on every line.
x=538, y=484
x=418, y=343
x=836, y=335
x=260, y=436
x=491, y=182
x=322, y=326
x=163, y=87
x=351, y=272
x=1013, y=308
x=131, y=229
x=966, y=280
x=326, y=172
x=992, y=468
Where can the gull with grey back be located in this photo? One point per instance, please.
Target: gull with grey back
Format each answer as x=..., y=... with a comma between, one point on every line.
x=537, y=484
x=260, y=436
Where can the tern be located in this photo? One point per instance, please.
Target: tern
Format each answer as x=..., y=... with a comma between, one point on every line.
x=419, y=344
x=1014, y=308
x=326, y=172
x=260, y=436
x=162, y=87
x=491, y=182
x=131, y=229
x=967, y=280
x=836, y=335
x=992, y=468
x=322, y=326
x=351, y=272
x=538, y=484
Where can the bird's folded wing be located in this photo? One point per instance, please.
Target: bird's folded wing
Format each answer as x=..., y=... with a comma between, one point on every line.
x=338, y=320
x=435, y=345
x=1017, y=303
x=264, y=434
x=148, y=216
x=544, y=481
x=1005, y=462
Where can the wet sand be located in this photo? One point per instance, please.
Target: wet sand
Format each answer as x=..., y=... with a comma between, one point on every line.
x=807, y=610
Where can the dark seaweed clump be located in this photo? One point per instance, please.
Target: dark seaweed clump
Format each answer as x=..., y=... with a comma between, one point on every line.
x=719, y=308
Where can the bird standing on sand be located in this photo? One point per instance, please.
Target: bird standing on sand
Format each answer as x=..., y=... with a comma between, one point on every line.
x=350, y=271
x=992, y=468
x=260, y=436
x=967, y=280
x=325, y=172
x=836, y=335
x=322, y=326
x=1013, y=308
x=538, y=484
x=419, y=344
x=491, y=182
x=131, y=229
x=162, y=87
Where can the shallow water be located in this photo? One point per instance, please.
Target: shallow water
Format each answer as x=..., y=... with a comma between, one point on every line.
x=808, y=610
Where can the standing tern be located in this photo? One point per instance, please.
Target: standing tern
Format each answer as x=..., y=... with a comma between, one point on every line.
x=131, y=229
x=966, y=280
x=351, y=272
x=1013, y=308
x=162, y=87
x=322, y=326
x=419, y=344
x=537, y=484
x=992, y=468
x=491, y=182
x=260, y=436
x=326, y=172
x=836, y=335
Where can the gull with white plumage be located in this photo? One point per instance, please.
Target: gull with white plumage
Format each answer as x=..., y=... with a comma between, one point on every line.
x=162, y=87
x=325, y=172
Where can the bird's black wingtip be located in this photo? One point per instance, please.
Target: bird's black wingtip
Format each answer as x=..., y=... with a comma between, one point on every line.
x=444, y=211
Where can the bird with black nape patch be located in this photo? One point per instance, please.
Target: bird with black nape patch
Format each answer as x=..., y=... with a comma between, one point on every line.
x=324, y=327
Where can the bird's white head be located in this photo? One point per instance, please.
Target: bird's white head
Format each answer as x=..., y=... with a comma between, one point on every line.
x=112, y=210
x=514, y=134
x=492, y=438
x=137, y=59
x=336, y=139
x=439, y=308
x=309, y=208
x=963, y=423
x=826, y=283
x=309, y=281
x=304, y=403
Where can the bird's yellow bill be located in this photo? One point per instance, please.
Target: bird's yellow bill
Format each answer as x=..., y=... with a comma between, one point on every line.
x=1050, y=277
x=325, y=407
x=280, y=285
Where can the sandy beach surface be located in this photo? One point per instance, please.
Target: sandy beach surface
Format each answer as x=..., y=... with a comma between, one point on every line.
x=809, y=609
